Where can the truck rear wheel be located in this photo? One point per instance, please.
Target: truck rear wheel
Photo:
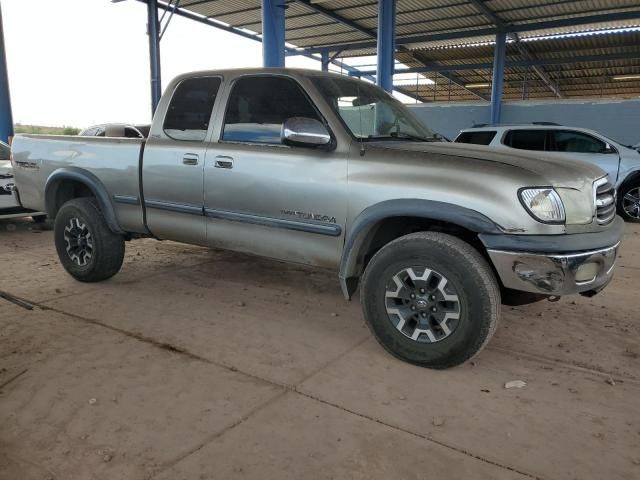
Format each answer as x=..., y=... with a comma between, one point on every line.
x=87, y=249
x=430, y=299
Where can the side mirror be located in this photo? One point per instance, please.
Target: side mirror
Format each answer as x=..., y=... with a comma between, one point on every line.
x=304, y=132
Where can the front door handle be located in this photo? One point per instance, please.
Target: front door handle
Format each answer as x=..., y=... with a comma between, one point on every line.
x=223, y=161
x=190, y=159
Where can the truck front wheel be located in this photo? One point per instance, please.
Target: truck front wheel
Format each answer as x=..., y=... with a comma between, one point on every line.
x=430, y=299
x=87, y=249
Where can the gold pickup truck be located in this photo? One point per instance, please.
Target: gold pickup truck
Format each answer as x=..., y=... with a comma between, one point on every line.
x=324, y=170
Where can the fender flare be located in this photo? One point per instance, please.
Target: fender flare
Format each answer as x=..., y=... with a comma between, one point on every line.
x=88, y=179
x=369, y=218
x=632, y=177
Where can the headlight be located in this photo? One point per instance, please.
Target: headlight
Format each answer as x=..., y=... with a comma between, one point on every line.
x=544, y=204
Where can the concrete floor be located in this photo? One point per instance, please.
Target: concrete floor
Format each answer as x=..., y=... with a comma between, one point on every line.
x=199, y=364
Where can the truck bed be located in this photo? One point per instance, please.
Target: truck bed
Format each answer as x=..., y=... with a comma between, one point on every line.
x=114, y=161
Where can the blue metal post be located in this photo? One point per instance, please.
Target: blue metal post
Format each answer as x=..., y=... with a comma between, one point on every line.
x=6, y=118
x=498, y=76
x=273, y=33
x=324, y=60
x=386, y=43
x=153, y=30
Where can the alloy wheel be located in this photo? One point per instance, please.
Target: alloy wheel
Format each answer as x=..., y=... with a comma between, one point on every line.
x=79, y=243
x=422, y=304
x=631, y=203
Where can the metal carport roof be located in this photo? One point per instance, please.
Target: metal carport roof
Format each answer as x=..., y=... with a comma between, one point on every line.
x=552, y=50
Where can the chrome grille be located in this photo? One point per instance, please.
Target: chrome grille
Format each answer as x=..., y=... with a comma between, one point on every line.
x=605, y=201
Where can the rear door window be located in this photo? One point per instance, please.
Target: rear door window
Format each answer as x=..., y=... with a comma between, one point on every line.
x=576, y=142
x=483, y=137
x=190, y=109
x=526, y=139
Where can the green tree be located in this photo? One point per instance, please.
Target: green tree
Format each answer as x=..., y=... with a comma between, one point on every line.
x=38, y=129
x=70, y=131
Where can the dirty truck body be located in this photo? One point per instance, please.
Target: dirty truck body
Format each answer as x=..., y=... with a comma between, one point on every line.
x=328, y=171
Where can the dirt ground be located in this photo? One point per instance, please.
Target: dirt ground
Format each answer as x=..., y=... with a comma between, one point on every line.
x=200, y=364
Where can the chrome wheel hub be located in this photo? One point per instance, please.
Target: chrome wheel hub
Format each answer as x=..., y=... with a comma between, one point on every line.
x=422, y=304
x=78, y=241
x=631, y=202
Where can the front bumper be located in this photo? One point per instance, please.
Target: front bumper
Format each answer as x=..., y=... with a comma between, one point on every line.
x=556, y=274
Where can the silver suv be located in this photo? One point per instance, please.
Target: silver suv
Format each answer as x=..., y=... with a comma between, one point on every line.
x=622, y=163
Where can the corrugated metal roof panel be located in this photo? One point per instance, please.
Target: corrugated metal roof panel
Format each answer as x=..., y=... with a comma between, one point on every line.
x=306, y=27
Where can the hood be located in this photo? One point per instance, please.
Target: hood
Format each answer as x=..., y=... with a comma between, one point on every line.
x=556, y=171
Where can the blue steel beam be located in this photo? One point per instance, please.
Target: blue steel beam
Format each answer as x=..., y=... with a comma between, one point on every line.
x=153, y=30
x=166, y=24
x=498, y=76
x=386, y=43
x=447, y=74
x=324, y=61
x=6, y=117
x=207, y=21
x=334, y=16
x=273, y=33
x=520, y=46
x=316, y=3
x=514, y=63
x=420, y=58
x=255, y=37
x=372, y=34
x=482, y=32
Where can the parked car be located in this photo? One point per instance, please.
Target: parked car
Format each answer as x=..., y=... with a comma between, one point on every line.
x=622, y=163
x=116, y=130
x=274, y=162
x=10, y=206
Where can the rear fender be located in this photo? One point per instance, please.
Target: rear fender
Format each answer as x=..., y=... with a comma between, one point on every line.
x=59, y=176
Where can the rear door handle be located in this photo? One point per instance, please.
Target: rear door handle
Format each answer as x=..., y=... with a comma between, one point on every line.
x=190, y=159
x=223, y=161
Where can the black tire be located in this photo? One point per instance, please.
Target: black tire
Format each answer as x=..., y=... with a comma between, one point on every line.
x=467, y=275
x=626, y=193
x=39, y=218
x=101, y=254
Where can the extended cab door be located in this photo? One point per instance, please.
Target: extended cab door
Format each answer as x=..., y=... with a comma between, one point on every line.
x=267, y=198
x=174, y=159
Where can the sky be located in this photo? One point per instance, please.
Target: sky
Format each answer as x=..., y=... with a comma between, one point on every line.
x=83, y=62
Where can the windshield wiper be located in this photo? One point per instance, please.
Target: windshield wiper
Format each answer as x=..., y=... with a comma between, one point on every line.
x=408, y=136
x=401, y=136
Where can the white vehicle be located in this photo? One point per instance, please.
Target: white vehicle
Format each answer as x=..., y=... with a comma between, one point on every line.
x=621, y=163
x=122, y=130
x=9, y=203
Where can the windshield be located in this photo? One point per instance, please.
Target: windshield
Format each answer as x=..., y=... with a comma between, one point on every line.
x=370, y=113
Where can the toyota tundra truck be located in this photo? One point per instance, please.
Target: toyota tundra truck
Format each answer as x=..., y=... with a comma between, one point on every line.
x=333, y=172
